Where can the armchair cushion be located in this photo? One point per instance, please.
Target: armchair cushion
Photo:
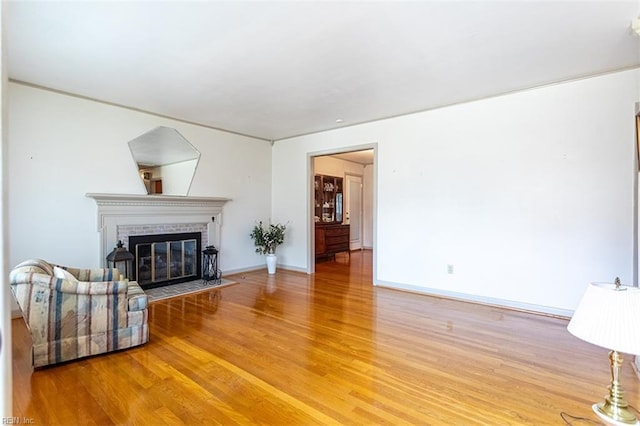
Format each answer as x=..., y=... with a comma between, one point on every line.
x=71, y=318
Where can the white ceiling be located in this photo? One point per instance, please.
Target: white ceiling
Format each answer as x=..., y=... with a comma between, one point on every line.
x=364, y=157
x=278, y=69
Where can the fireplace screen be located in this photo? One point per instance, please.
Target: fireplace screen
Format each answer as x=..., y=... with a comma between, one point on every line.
x=166, y=259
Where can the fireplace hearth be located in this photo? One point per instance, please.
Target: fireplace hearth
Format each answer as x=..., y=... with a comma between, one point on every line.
x=165, y=259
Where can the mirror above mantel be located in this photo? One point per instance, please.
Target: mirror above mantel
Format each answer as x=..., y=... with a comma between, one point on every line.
x=166, y=161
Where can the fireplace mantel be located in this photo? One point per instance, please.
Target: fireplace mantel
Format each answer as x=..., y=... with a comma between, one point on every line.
x=128, y=209
x=155, y=200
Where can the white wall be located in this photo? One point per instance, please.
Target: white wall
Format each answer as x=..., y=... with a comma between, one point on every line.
x=529, y=195
x=62, y=147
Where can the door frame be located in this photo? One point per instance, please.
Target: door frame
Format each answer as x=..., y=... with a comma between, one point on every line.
x=311, y=235
x=636, y=196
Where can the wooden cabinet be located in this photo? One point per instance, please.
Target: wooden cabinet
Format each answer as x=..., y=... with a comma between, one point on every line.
x=328, y=199
x=331, y=235
x=331, y=239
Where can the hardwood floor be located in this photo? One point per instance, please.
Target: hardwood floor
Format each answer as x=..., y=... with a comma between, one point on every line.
x=327, y=348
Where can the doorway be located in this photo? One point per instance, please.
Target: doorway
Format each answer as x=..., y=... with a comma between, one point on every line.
x=356, y=169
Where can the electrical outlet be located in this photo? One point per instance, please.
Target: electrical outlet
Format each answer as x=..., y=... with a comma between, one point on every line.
x=449, y=269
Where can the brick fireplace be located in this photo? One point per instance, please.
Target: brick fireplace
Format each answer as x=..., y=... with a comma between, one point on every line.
x=121, y=216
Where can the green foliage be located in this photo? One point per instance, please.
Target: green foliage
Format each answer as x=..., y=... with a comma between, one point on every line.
x=268, y=239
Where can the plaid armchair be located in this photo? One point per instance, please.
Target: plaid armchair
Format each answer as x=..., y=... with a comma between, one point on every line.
x=72, y=313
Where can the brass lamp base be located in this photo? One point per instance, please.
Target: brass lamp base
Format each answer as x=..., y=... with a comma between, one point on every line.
x=615, y=409
x=613, y=419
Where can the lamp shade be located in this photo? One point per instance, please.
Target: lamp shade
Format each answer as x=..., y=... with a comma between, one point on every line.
x=609, y=316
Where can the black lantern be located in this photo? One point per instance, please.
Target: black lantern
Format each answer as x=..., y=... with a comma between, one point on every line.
x=120, y=255
x=210, y=271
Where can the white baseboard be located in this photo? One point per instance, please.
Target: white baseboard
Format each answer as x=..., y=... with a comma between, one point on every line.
x=242, y=270
x=293, y=268
x=15, y=313
x=503, y=303
x=260, y=267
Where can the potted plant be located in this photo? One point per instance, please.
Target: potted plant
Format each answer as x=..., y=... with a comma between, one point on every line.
x=267, y=239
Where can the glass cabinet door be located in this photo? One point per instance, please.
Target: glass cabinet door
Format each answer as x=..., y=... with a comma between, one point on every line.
x=317, y=187
x=328, y=199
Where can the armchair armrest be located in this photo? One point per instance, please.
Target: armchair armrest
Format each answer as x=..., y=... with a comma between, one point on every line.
x=136, y=297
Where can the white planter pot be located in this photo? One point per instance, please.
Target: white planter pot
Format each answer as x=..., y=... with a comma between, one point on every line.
x=271, y=263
